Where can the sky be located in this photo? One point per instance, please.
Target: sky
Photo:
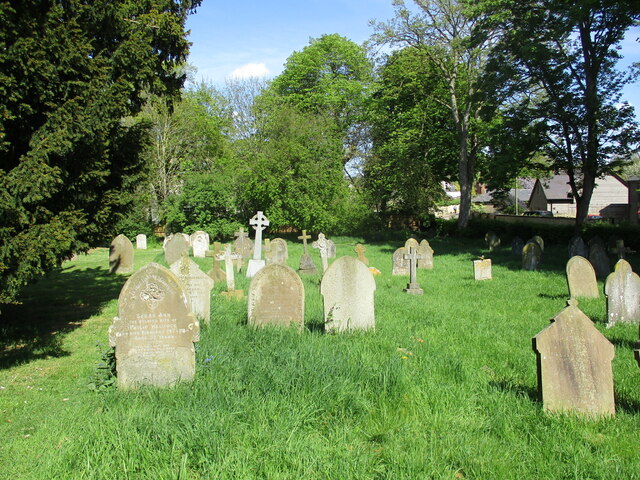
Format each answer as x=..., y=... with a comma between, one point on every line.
x=241, y=38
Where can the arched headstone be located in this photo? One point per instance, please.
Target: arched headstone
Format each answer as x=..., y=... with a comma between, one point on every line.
x=531, y=256
x=622, y=289
x=276, y=297
x=400, y=264
x=199, y=243
x=581, y=278
x=426, y=255
x=197, y=285
x=121, y=255
x=175, y=248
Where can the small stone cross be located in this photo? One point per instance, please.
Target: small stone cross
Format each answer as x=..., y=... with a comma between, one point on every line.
x=304, y=237
x=360, y=249
x=413, y=256
x=228, y=258
x=241, y=234
x=322, y=245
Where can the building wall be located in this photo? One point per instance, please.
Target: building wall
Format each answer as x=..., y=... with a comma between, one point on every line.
x=610, y=197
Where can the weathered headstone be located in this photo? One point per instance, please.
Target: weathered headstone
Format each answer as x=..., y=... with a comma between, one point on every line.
x=517, y=244
x=228, y=258
x=411, y=243
x=578, y=247
x=492, y=240
x=175, y=248
x=141, y=241
x=200, y=243
x=347, y=289
x=322, y=245
x=259, y=222
x=622, y=289
x=166, y=239
x=531, y=256
x=574, y=365
x=599, y=259
x=243, y=244
x=121, y=255
x=276, y=297
x=426, y=255
x=306, y=263
x=612, y=244
x=360, y=249
x=331, y=249
x=581, y=278
x=197, y=286
x=216, y=273
x=400, y=264
x=154, y=331
x=482, y=269
x=278, y=252
x=537, y=239
x=413, y=287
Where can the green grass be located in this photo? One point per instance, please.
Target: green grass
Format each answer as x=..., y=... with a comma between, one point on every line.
x=445, y=387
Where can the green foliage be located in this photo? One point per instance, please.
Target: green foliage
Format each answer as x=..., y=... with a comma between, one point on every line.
x=70, y=73
x=104, y=376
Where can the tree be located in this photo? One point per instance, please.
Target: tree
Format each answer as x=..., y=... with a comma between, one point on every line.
x=555, y=62
x=443, y=31
x=72, y=74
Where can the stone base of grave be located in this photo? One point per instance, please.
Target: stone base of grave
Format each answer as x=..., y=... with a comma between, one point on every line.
x=414, y=289
x=217, y=274
x=254, y=267
x=306, y=265
x=234, y=294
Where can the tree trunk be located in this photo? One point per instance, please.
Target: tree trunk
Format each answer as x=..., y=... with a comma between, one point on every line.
x=584, y=200
x=465, y=169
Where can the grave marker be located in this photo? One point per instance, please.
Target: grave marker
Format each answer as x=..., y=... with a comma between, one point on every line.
x=492, y=240
x=581, y=278
x=278, y=251
x=323, y=246
x=141, y=241
x=306, y=263
x=360, y=249
x=276, y=297
x=175, y=248
x=197, y=286
x=426, y=255
x=199, y=243
x=412, y=257
x=259, y=222
x=482, y=269
x=531, y=255
x=243, y=244
x=599, y=259
x=121, y=255
x=216, y=272
x=228, y=258
x=622, y=289
x=154, y=331
x=400, y=264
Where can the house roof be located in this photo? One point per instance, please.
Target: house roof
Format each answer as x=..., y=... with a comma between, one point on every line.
x=487, y=197
x=557, y=187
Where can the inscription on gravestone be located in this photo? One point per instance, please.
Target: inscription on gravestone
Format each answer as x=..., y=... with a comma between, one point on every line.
x=154, y=331
x=276, y=297
x=197, y=285
x=400, y=264
x=412, y=257
x=259, y=222
x=278, y=251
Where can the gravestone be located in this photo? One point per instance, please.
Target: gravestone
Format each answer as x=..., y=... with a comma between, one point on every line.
x=412, y=257
x=612, y=244
x=166, y=240
x=154, y=331
x=578, y=247
x=574, y=365
x=141, y=241
x=276, y=297
x=121, y=255
x=482, y=269
x=581, y=278
x=596, y=240
x=599, y=259
x=322, y=245
x=360, y=249
x=228, y=258
x=400, y=264
x=278, y=251
x=517, y=244
x=411, y=243
x=243, y=244
x=622, y=289
x=331, y=249
x=531, y=256
x=259, y=222
x=306, y=263
x=492, y=240
x=426, y=255
x=216, y=273
x=347, y=289
x=200, y=243
x=197, y=285
x=537, y=239
x=175, y=248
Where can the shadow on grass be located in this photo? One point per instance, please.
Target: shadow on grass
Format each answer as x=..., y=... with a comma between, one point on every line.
x=517, y=389
x=627, y=405
x=624, y=343
x=50, y=308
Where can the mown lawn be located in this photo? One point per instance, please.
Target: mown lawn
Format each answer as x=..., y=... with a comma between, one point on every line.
x=444, y=388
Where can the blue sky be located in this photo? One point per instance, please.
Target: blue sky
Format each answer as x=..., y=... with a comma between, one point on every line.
x=245, y=37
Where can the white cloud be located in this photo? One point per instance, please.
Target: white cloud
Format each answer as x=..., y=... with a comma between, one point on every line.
x=251, y=70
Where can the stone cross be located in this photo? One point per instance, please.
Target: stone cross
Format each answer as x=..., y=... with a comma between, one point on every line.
x=228, y=258
x=216, y=272
x=360, y=249
x=304, y=237
x=259, y=222
x=322, y=245
x=413, y=256
x=241, y=234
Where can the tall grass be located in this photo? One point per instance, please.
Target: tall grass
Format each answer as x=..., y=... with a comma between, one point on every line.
x=445, y=387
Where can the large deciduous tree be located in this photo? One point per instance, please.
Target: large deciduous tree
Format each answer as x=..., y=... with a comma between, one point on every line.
x=72, y=74
x=556, y=65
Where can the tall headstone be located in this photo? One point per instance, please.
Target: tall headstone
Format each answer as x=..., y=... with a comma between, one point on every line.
x=197, y=286
x=175, y=248
x=331, y=249
x=578, y=247
x=400, y=264
x=276, y=297
x=278, y=251
x=154, y=331
x=413, y=287
x=581, y=278
x=482, y=269
x=531, y=256
x=306, y=263
x=574, y=365
x=622, y=289
x=228, y=256
x=517, y=244
x=347, y=289
x=216, y=273
x=121, y=255
x=599, y=259
x=141, y=241
x=360, y=249
x=492, y=240
x=200, y=243
x=322, y=245
x=259, y=222
x=426, y=255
